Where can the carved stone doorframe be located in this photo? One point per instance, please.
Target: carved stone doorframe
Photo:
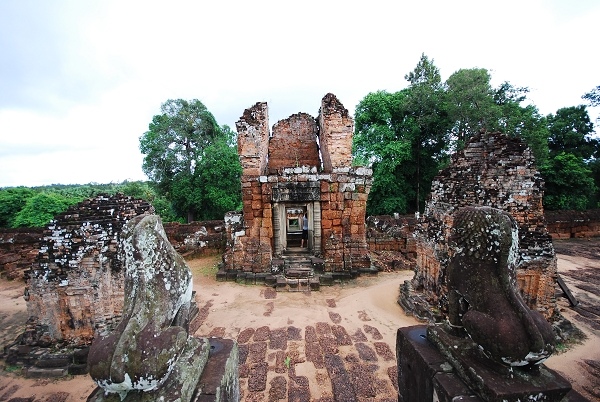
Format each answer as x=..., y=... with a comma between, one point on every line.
x=313, y=211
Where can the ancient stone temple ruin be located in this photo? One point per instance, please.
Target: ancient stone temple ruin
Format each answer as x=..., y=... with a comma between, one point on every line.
x=76, y=286
x=303, y=167
x=492, y=170
x=492, y=346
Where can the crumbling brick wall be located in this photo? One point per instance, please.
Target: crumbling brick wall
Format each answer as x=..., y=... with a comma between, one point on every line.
x=293, y=143
x=76, y=285
x=327, y=180
x=497, y=171
x=337, y=128
x=573, y=224
x=391, y=242
x=196, y=238
x=18, y=250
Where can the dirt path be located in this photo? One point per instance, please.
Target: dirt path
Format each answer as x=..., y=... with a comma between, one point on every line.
x=284, y=337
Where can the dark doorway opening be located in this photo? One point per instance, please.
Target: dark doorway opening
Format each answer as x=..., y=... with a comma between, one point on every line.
x=293, y=224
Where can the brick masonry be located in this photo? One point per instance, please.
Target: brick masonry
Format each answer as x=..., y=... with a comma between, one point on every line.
x=497, y=171
x=285, y=168
x=76, y=285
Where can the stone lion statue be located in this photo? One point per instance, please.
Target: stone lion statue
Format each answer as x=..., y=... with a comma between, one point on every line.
x=482, y=292
x=142, y=351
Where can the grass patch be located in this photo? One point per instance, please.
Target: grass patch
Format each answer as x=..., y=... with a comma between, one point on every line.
x=205, y=266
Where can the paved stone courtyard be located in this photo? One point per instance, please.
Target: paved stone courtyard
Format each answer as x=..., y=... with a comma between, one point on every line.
x=324, y=359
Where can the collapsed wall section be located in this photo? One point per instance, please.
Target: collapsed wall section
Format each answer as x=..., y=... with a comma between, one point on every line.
x=76, y=285
x=253, y=139
x=293, y=143
x=336, y=130
x=497, y=171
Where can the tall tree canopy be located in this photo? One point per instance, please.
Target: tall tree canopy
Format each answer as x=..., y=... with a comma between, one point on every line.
x=180, y=147
x=593, y=97
x=408, y=135
x=403, y=135
x=571, y=173
x=570, y=130
x=471, y=103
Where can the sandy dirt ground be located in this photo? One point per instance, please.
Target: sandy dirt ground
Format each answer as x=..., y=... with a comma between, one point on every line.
x=284, y=337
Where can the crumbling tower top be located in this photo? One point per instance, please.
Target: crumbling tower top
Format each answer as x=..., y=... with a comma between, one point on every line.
x=336, y=134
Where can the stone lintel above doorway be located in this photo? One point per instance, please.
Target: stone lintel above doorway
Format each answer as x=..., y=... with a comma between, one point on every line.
x=296, y=192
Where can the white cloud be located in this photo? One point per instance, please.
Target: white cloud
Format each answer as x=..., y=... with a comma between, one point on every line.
x=84, y=79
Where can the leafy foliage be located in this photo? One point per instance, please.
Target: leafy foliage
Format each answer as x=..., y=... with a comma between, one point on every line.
x=570, y=131
x=569, y=183
x=57, y=198
x=40, y=209
x=403, y=135
x=12, y=200
x=593, y=97
x=407, y=136
x=192, y=160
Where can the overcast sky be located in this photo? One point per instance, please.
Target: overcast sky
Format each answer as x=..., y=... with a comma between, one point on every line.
x=80, y=80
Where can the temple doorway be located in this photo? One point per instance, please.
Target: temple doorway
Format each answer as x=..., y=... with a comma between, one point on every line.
x=294, y=223
x=287, y=227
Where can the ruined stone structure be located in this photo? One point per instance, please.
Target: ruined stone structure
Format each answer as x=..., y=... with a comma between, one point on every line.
x=197, y=238
x=151, y=355
x=304, y=166
x=492, y=345
x=573, y=224
x=18, y=250
x=76, y=286
x=391, y=242
x=496, y=171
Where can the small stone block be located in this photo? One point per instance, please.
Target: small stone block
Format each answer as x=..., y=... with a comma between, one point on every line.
x=78, y=369
x=220, y=380
x=221, y=276
x=52, y=361
x=326, y=279
x=270, y=280
x=250, y=278
x=38, y=372
x=260, y=278
x=241, y=277
x=448, y=387
x=418, y=362
x=492, y=381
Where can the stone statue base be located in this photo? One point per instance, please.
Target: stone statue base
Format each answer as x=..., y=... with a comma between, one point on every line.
x=206, y=371
x=435, y=365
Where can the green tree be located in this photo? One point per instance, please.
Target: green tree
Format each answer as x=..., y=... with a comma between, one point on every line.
x=471, y=103
x=427, y=111
x=569, y=183
x=593, y=97
x=12, y=200
x=379, y=143
x=571, y=131
x=175, y=146
x=404, y=136
x=524, y=122
x=40, y=209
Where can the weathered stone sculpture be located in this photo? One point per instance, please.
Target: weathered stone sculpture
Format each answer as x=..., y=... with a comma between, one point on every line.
x=482, y=290
x=150, y=346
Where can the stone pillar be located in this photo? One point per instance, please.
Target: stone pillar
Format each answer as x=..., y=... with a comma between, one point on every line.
x=253, y=139
x=336, y=129
x=316, y=217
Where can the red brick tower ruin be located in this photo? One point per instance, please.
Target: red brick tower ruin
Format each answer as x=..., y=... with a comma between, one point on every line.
x=304, y=166
x=496, y=171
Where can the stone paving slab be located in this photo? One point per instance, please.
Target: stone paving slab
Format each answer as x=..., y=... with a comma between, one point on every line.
x=323, y=362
